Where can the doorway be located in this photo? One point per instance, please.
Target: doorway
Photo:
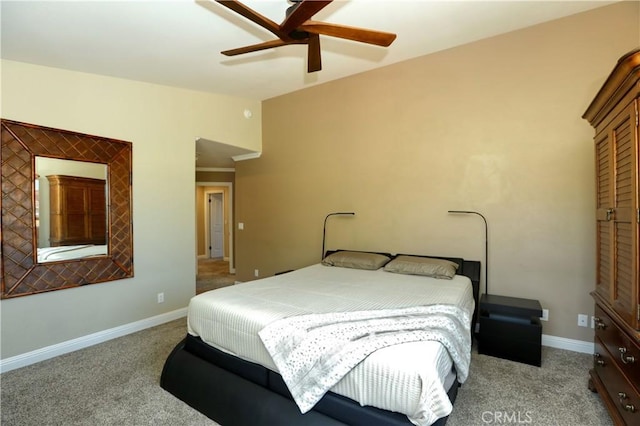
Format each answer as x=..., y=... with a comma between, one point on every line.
x=214, y=222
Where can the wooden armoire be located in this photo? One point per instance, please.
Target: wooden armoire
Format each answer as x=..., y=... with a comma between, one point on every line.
x=77, y=211
x=616, y=366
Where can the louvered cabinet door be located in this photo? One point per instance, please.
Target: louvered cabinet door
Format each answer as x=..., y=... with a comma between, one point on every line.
x=617, y=214
x=604, y=212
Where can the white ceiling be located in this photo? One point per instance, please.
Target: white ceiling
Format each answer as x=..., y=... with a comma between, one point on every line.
x=178, y=42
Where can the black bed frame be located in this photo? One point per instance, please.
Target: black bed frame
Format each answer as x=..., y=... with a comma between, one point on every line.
x=233, y=391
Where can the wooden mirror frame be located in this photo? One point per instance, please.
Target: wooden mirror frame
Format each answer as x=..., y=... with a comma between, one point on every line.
x=20, y=273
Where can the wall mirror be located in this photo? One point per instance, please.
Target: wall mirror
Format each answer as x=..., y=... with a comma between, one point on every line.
x=25, y=215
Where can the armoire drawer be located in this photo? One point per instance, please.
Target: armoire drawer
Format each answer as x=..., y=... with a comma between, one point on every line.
x=622, y=394
x=621, y=348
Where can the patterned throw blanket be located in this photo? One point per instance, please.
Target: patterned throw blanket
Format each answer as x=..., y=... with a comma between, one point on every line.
x=313, y=352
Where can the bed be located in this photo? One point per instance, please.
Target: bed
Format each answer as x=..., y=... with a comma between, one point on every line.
x=231, y=367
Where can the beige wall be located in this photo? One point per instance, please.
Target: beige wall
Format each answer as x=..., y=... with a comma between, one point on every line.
x=494, y=126
x=162, y=123
x=209, y=176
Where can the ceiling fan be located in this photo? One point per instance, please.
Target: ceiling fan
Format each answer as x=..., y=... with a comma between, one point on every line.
x=298, y=28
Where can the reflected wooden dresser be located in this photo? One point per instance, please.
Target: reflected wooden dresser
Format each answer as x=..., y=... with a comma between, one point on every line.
x=77, y=211
x=616, y=365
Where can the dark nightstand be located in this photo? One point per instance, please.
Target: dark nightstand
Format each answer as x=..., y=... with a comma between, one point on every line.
x=510, y=328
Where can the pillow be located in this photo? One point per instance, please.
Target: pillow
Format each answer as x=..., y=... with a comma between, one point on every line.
x=356, y=260
x=428, y=266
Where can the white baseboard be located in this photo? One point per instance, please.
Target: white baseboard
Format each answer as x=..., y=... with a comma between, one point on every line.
x=58, y=349
x=568, y=344
x=62, y=348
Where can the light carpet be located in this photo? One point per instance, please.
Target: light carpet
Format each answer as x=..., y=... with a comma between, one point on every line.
x=117, y=383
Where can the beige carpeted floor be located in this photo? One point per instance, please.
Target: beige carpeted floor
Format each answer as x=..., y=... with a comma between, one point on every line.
x=212, y=274
x=117, y=383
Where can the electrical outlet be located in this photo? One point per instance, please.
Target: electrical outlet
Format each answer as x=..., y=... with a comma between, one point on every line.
x=256, y=273
x=582, y=320
x=593, y=322
x=545, y=315
x=160, y=297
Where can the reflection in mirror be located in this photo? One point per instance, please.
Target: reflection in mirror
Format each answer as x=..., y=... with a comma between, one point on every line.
x=70, y=210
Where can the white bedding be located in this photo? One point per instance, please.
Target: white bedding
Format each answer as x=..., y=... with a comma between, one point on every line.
x=409, y=378
x=52, y=254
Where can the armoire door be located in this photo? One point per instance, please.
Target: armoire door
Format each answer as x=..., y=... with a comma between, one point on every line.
x=617, y=214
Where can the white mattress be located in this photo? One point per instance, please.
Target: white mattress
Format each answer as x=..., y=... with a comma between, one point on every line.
x=409, y=378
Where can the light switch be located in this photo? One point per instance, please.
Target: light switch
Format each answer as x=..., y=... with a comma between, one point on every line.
x=240, y=226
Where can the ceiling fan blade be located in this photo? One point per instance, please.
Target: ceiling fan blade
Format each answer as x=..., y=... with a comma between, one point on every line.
x=254, y=17
x=363, y=35
x=314, y=60
x=261, y=46
x=302, y=12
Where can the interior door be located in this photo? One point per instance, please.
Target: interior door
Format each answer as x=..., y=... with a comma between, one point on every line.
x=216, y=221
